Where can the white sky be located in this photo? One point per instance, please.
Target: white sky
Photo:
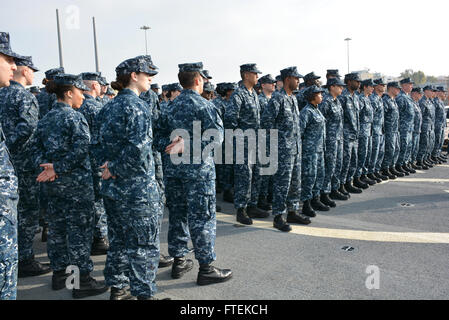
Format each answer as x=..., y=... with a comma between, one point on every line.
x=389, y=36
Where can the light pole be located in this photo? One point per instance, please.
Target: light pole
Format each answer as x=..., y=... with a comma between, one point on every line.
x=347, y=42
x=145, y=28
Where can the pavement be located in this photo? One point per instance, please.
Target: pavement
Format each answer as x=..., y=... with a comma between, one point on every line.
x=391, y=242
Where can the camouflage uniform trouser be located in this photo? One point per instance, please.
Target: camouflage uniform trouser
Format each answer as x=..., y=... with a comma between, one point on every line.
x=391, y=150
x=134, y=246
x=426, y=144
x=363, y=155
x=415, y=146
x=191, y=205
x=70, y=231
x=246, y=180
x=377, y=153
x=287, y=185
x=439, y=140
x=349, y=165
x=333, y=160
x=406, y=139
x=100, y=223
x=228, y=176
x=312, y=175
x=8, y=251
x=28, y=214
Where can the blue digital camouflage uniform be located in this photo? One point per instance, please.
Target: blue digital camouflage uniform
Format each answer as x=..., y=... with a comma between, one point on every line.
x=62, y=138
x=265, y=182
x=132, y=200
x=427, y=137
x=8, y=224
x=90, y=109
x=351, y=126
x=366, y=118
x=392, y=146
x=190, y=187
x=406, y=125
x=103, y=100
x=300, y=98
x=243, y=113
x=220, y=105
x=312, y=126
x=282, y=114
x=440, y=124
x=416, y=131
x=19, y=116
x=332, y=111
x=378, y=137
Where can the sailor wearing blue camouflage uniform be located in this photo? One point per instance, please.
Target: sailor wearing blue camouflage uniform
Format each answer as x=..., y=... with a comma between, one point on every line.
x=44, y=98
x=391, y=122
x=332, y=111
x=282, y=114
x=378, y=133
x=90, y=109
x=440, y=124
x=416, y=95
x=427, y=137
x=312, y=125
x=350, y=103
x=129, y=188
x=60, y=146
x=190, y=185
x=8, y=189
x=406, y=125
x=243, y=113
x=19, y=115
x=310, y=79
x=103, y=97
x=366, y=117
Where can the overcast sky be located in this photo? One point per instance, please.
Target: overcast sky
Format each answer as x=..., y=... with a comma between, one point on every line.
x=388, y=36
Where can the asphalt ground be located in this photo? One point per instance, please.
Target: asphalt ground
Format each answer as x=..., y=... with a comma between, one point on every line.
x=399, y=232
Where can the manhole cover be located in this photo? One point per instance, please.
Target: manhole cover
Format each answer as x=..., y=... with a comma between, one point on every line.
x=406, y=205
x=348, y=248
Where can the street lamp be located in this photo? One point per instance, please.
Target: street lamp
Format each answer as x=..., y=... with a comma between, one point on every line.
x=145, y=28
x=347, y=41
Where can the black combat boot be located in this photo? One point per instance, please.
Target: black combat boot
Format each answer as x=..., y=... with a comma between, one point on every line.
x=100, y=246
x=416, y=166
x=367, y=180
x=180, y=267
x=242, y=217
x=308, y=210
x=373, y=177
x=280, y=224
x=401, y=170
x=352, y=189
x=343, y=191
x=336, y=195
x=324, y=198
x=383, y=174
x=298, y=218
x=422, y=165
x=32, y=268
x=254, y=212
x=121, y=294
x=209, y=275
x=318, y=205
x=359, y=184
x=228, y=196
x=409, y=168
x=58, y=279
x=264, y=204
x=89, y=287
x=165, y=261
x=396, y=173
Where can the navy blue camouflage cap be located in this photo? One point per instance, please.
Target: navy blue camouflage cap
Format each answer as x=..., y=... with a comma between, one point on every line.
x=406, y=81
x=311, y=76
x=34, y=89
x=267, y=79
x=50, y=74
x=5, y=46
x=155, y=86
x=417, y=90
x=93, y=76
x=174, y=87
x=334, y=82
x=393, y=84
x=103, y=81
x=147, y=57
x=310, y=91
x=441, y=89
x=353, y=76
x=249, y=67
x=429, y=87
x=278, y=78
x=208, y=87
x=26, y=61
x=165, y=87
x=71, y=80
x=192, y=67
x=379, y=82
x=110, y=91
x=230, y=86
x=137, y=64
x=333, y=73
x=290, y=72
x=206, y=73
x=368, y=83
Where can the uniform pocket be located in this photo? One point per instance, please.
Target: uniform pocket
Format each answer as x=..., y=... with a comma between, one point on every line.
x=144, y=230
